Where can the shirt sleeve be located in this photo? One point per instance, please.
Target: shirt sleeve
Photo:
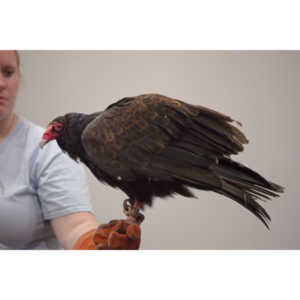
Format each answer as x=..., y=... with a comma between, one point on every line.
x=61, y=184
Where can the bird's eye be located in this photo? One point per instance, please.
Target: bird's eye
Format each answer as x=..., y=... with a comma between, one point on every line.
x=58, y=127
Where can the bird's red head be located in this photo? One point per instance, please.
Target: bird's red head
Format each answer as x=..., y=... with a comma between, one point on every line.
x=53, y=131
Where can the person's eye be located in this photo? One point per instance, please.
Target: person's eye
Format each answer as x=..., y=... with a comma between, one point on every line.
x=8, y=72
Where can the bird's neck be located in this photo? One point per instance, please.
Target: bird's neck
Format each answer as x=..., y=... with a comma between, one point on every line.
x=70, y=142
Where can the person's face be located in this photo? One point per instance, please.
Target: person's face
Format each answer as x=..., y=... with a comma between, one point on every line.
x=9, y=82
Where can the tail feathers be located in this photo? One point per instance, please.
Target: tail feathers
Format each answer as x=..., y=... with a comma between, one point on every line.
x=246, y=186
x=276, y=187
x=240, y=174
x=253, y=189
x=247, y=200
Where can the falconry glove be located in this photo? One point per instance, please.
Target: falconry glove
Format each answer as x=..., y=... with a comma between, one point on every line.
x=115, y=235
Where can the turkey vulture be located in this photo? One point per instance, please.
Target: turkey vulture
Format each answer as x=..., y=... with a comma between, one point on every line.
x=152, y=145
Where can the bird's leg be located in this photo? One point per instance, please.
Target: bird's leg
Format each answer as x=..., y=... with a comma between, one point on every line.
x=131, y=207
x=133, y=210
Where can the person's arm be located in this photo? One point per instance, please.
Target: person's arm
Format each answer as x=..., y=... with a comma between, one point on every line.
x=81, y=231
x=65, y=201
x=69, y=228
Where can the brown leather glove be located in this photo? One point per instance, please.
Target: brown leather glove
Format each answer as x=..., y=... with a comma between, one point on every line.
x=115, y=235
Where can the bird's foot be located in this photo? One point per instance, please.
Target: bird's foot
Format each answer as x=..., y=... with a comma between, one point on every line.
x=133, y=211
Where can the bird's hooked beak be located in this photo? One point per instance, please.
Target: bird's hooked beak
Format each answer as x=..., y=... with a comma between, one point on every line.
x=48, y=135
x=43, y=143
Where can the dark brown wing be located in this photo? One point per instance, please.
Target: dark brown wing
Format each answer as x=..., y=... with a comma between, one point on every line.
x=147, y=135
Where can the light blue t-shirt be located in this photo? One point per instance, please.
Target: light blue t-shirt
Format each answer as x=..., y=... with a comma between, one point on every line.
x=36, y=185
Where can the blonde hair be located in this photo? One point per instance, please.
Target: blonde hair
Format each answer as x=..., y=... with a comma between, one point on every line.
x=17, y=57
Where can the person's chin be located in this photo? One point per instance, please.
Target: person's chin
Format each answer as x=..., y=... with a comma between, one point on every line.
x=3, y=113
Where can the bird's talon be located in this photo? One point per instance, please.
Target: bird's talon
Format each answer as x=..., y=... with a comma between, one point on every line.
x=140, y=218
x=126, y=212
x=132, y=211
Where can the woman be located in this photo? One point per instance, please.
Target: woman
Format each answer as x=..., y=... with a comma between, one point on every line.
x=44, y=199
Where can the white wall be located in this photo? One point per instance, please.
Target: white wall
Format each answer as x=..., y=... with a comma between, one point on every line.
x=261, y=89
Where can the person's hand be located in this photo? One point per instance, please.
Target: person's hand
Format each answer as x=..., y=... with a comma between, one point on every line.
x=118, y=234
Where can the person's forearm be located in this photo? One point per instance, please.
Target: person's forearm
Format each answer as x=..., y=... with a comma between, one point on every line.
x=78, y=234
x=82, y=231
x=68, y=229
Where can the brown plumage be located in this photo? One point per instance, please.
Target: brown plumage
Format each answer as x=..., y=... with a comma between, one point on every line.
x=152, y=145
